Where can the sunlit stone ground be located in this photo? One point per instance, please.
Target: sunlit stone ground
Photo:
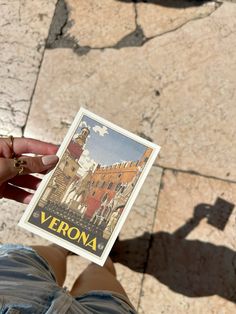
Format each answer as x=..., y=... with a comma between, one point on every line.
x=165, y=70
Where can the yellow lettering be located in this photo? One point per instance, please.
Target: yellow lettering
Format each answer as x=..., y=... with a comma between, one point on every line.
x=63, y=227
x=84, y=237
x=77, y=233
x=43, y=217
x=93, y=244
x=72, y=233
x=53, y=223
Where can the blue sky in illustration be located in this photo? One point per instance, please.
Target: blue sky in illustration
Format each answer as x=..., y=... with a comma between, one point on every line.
x=107, y=146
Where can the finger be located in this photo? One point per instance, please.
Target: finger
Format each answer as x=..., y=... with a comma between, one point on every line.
x=26, y=181
x=17, y=194
x=38, y=164
x=28, y=145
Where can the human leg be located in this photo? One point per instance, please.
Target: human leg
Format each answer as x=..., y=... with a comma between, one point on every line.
x=28, y=283
x=95, y=277
x=56, y=258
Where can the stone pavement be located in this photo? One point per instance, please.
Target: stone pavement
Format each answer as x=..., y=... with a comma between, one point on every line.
x=165, y=70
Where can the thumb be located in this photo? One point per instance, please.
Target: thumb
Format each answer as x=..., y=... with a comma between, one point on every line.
x=7, y=169
x=39, y=164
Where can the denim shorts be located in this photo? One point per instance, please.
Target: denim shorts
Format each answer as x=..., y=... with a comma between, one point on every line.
x=28, y=286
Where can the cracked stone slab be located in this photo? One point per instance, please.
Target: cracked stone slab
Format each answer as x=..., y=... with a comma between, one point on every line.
x=99, y=24
x=156, y=19
x=192, y=261
x=23, y=29
x=87, y=25
x=177, y=89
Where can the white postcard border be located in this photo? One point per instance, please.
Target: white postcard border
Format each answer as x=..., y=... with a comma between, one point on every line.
x=70, y=246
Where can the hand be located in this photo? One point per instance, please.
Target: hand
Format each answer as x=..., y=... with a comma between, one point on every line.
x=11, y=182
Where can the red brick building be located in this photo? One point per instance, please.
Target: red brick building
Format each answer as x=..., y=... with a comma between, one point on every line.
x=106, y=181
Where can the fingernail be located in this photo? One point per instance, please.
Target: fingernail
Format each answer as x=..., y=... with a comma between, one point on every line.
x=28, y=198
x=49, y=160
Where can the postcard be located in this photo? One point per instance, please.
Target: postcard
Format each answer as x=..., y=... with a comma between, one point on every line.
x=84, y=201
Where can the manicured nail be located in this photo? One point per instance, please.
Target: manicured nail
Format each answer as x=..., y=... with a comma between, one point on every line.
x=49, y=160
x=28, y=198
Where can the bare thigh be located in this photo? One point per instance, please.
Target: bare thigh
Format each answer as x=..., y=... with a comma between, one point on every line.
x=95, y=277
x=56, y=258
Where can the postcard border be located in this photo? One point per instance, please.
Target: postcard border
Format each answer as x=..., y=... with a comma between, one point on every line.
x=78, y=250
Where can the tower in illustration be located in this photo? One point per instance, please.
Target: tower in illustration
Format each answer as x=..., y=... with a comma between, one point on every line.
x=82, y=137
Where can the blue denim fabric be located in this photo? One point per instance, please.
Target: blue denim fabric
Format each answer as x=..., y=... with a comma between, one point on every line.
x=28, y=286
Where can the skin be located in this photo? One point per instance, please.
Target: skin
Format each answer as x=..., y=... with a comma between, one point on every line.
x=11, y=183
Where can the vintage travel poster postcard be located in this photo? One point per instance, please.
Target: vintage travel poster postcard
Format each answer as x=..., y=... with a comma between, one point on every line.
x=83, y=203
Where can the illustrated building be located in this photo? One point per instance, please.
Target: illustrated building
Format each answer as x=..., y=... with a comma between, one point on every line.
x=66, y=170
x=101, y=194
x=76, y=194
x=107, y=181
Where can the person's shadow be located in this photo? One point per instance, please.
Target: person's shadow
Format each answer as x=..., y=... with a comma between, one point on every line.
x=178, y=4
x=190, y=267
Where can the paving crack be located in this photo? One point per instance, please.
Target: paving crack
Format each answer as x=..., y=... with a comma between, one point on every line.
x=217, y=5
x=194, y=172
x=59, y=26
x=58, y=37
x=135, y=38
x=151, y=242
x=146, y=137
x=35, y=84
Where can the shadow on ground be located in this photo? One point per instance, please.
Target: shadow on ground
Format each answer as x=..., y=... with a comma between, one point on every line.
x=189, y=267
x=178, y=4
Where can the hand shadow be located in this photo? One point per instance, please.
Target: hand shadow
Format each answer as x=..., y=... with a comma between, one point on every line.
x=178, y=4
x=191, y=267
